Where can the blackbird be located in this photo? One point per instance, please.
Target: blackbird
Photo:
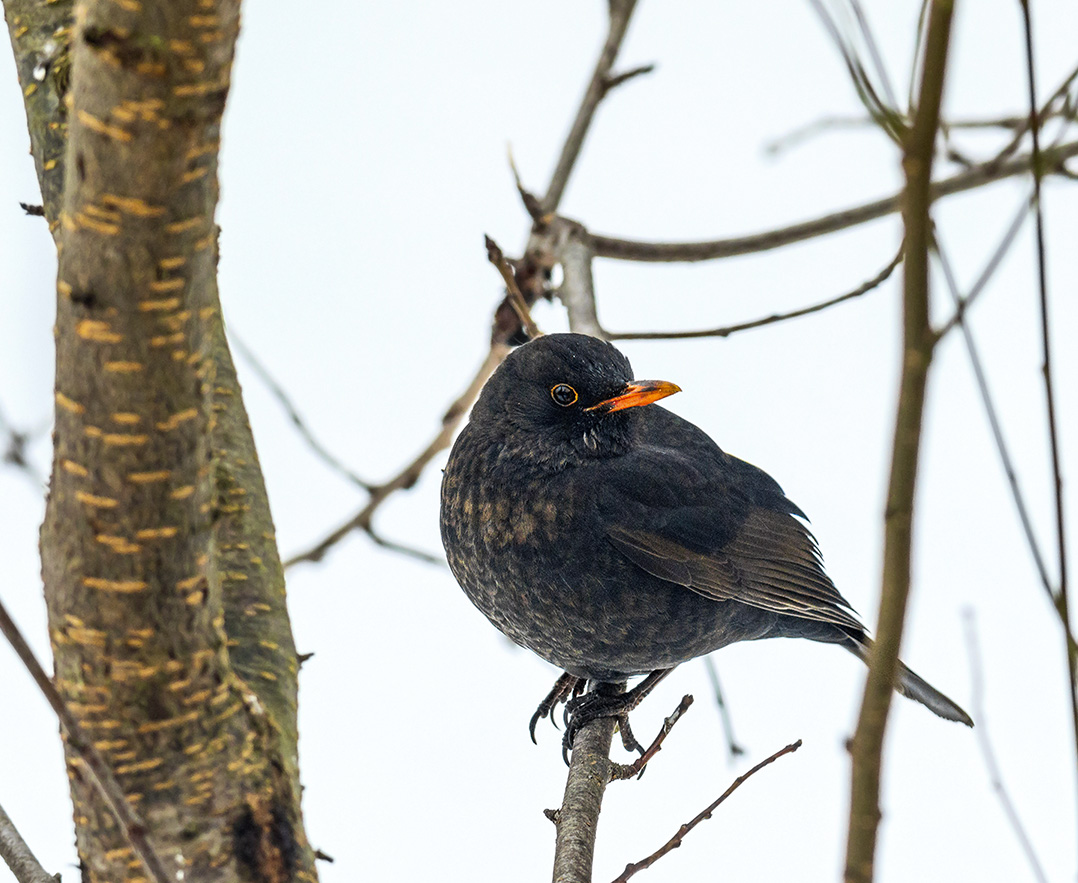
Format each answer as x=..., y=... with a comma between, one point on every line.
x=613, y=538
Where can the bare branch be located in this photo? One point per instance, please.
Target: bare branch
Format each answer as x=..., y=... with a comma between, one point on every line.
x=732, y=745
x=516, y=299
x=994, y=774
x=409, y=475
x=1051, y=162
x=293, y=414
x=1062, y=597
x=620, y=13
x=577, y=290
x=18, y=856
x=675, y=841
x=636, y=768
x=615, y=80
x=727, y=330
x=132, y=829
x=918, y=341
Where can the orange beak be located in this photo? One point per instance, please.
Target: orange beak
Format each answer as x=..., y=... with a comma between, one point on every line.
x=639, y=392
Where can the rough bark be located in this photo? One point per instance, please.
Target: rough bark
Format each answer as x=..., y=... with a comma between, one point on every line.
x=165, y=593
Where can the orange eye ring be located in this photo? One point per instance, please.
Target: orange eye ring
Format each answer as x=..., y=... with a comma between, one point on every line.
x=563, y=395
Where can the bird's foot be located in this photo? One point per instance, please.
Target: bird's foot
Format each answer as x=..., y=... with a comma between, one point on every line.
x=567, y=687
x=607, y=700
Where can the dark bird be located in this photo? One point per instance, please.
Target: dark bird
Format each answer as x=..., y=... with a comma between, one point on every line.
x=613, y=538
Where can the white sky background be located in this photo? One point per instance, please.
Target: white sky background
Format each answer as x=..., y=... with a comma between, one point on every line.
x=364, y=158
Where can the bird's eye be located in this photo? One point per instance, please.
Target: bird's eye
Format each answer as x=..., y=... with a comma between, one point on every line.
x=563, y=394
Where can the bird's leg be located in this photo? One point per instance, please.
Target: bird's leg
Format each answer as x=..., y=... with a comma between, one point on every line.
x=566, y=687
x=604, y=702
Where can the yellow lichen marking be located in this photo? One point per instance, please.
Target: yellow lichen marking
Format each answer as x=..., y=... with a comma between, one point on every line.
x=193, y=175
x=88, y=637
x=118, y=853
x=93, y=431
x=69, y=404
x=119, y=545
x=184, y=584
x=110, y=744
x=51, y=164
x=177, y=419
x=64, y=287
x=204, y=149
x=157, y=726
x=120, y=439
x=162, y=285
x=204, y=21
x=182, y=493
x=125, y=418
x=102, y=214
x=97, y=331
x=168, y=303
x=195, y=598
x=204, y=243
x=74, y=468
x=149, y=477
x=82, y=710
x=197, y=698
x=175, y=321
x=172, y=263
x=29, y=90
x=235, y=576
x=151, y=763
x=157, y=533
x=166, y=339
x=121, y=367
x=163, y=786
x=105, y=228
x=93, y=123
x=238, y=491
x=267, y=675
x=269, y=645
x=132, y=205
x=100, y=725
x=196, y=800
x=120, y=586
x=184, y=225
x=190, y=90
x=227, y=713
x=98, y=502
x=182, y=684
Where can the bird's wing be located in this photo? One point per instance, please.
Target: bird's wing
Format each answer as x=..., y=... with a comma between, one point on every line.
x=713, y=531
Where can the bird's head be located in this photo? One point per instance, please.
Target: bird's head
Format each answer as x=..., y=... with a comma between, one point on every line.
x=563, y=398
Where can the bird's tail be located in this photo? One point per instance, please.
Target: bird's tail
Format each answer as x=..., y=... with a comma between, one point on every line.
x=912, y=685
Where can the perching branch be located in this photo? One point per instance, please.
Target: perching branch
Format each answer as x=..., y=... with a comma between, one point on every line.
x=675, y=841
x=636, y=768
x=18, y=856
x=867, y=745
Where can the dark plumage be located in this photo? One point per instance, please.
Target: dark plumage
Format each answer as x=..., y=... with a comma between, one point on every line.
x=614, y=538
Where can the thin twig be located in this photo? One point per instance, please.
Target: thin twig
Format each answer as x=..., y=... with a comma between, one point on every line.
x=409, y=475
x=675, y=841
x=293, y=414
x=516, y=299
x=918, y=340
x=615, y=80
x=995, y=776
x=636, y=768
x=132, y=829
x=1062, y=598
x=727, y=330
x=18, y=856
x=732, y=745
x=621, y=12
x=968, y=179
